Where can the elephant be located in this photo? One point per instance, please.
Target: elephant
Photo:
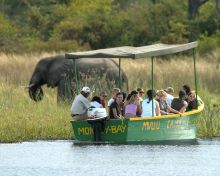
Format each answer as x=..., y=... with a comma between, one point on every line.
x=56, y=71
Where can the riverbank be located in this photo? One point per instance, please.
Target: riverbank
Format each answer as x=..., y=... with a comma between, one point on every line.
x=21, y=119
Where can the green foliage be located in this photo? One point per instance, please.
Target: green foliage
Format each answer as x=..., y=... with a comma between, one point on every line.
x=48, y=121
x=7, y=35
x=207, y=23
x=86, y=22
x=208, y=122
x=63, y=25
x=177, y=33
x=208, y=44
x=209, y=19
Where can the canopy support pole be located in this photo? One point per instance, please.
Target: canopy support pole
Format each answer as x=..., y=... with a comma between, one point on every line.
x=119, y=73
x=152, y=83
x=195, y=76
x=75, y=75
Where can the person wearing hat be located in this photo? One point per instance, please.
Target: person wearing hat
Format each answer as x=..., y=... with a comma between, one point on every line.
x=80, y=105
x=140, y=94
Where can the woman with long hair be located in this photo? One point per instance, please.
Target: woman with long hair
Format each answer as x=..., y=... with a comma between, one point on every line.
x=132, y=106
x=146, y=105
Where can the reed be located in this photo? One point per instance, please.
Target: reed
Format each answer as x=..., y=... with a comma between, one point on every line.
x=174, y=73
x=22, y=119
x=17, y=69
x=208, y=122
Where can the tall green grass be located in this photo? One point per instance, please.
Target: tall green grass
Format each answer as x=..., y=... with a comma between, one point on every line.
x=208, y=123
x=21, y=119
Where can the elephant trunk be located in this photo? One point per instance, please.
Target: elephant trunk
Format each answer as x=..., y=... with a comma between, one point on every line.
x=35, y=92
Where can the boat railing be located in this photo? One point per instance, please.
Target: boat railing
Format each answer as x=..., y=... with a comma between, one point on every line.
x=188, y=113
x=192, y=112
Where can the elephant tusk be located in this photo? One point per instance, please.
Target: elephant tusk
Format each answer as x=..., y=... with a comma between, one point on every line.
x=29, y=86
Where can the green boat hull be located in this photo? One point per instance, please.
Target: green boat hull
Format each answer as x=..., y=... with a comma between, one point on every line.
x=141, y=130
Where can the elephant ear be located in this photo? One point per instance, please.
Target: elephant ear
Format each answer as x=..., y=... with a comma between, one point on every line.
x=36, y=93
x=57, y=71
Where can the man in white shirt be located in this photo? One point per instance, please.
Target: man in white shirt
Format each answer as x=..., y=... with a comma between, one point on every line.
x=170, y=92
x=80, y=105
x=113, y=98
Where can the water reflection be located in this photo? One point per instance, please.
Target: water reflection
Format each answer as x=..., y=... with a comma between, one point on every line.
x=63, y=158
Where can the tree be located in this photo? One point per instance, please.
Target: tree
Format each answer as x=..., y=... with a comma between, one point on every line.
x=86, y=22
x=8, y=40
x=193, y=6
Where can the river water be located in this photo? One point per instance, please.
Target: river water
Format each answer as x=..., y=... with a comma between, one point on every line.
x=62, y=158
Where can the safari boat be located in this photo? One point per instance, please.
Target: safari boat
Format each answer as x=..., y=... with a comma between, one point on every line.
x=140, y=130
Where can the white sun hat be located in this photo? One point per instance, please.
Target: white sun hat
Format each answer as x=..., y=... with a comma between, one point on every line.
x=86, y=89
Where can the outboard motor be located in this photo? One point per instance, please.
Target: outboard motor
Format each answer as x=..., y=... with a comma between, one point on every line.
x=97, y=118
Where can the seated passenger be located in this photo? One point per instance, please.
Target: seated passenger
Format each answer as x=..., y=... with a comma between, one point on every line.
x=192, y=101
x=114, y=109
x=180, y=104
x=165, y=109
x=146, y=105
x=102, y=96
x=188, y=91
x=114, y=93
x=96, y=102
x=122, y=104
x=140, y=94
x=131, y=106
x=170, y=92
x=81, y=105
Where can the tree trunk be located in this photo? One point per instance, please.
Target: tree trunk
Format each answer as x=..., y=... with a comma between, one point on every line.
x=217, y=3
x=193, y=6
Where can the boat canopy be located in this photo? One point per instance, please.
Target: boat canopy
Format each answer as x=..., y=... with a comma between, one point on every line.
x=133, y=52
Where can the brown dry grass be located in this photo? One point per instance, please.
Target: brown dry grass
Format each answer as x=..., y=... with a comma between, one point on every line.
x=17, y=69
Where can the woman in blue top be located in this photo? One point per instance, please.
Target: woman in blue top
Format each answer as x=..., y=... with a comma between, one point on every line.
x=146, y=105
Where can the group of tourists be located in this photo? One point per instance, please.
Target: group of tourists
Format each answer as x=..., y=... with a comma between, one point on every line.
x=121, y=105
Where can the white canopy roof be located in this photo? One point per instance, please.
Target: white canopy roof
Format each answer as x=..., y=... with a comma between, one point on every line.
x=133, y=52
